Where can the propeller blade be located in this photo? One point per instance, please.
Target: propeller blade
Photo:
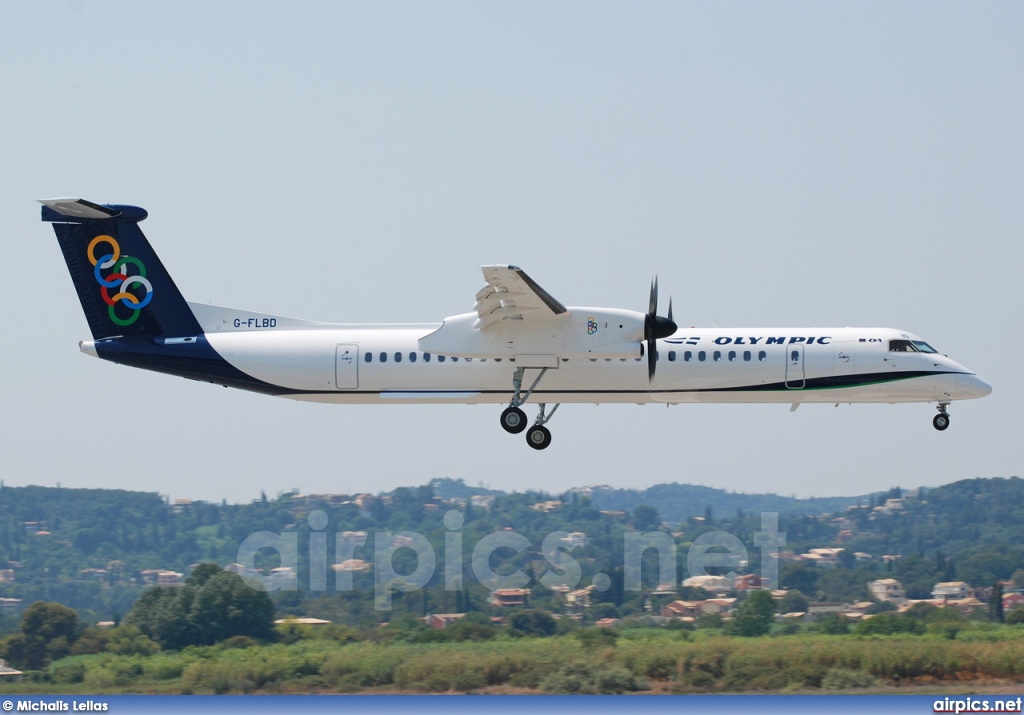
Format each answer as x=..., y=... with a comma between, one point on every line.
x=655, y=328
x=652, y=359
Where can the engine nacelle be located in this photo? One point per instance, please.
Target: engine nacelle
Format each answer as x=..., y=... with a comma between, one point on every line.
x=577, y=333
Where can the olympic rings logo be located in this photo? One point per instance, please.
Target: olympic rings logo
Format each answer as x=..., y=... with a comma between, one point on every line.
x=591, y=326
x=119, y=279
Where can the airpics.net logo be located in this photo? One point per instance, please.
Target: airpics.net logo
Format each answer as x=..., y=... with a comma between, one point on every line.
x=717, y=550
x=118, y=278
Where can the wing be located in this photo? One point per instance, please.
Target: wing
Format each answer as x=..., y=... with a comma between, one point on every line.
x=510, y=294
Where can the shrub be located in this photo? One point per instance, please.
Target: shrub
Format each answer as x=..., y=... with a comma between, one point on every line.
x=164, y=667
x=889, y=624
x=580, y=678
x=596, y=637
x=67, y=672
x=845, y=678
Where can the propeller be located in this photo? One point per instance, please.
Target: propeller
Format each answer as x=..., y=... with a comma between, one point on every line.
x=656, y=327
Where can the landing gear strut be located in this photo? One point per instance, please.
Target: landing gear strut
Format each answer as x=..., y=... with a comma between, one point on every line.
x=941, y=420
x=539, y=437
x=513, y=419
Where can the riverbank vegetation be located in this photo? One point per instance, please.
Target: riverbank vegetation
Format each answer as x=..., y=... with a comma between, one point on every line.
x=586, y=660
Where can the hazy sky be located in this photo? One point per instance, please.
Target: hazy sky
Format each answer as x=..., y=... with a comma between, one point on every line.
x=777, y=164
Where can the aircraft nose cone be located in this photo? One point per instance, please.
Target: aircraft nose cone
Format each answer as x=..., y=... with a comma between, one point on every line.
x=971, y=386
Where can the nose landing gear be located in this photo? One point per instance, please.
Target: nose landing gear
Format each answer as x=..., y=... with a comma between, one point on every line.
x=941, y=420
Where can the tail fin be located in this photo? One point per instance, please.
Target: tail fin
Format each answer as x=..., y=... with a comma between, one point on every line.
x=124, y=289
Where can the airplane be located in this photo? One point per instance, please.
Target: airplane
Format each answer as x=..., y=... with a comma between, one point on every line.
x=518, y=343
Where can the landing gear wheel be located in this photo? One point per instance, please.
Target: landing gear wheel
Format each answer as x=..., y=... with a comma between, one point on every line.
x=513, y=420
x=538, y=437
x=940, y=422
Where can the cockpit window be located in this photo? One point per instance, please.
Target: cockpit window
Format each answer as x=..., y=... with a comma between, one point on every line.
x=910, y=346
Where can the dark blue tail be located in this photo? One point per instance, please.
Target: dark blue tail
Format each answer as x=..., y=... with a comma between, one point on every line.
x=122, y=285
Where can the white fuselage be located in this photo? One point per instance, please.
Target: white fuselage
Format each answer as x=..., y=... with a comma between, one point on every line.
x=384, y=364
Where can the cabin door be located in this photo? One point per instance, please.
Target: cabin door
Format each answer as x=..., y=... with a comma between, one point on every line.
x=795, y=379
x=346, y=367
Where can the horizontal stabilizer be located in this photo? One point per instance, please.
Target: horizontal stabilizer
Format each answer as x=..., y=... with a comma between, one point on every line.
x=76, y=209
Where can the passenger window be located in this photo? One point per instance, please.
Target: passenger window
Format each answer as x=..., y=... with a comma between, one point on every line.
x=441, y=358
x=718, y=355
x=795, y=356
x=412, y=357
x=426, y=357
x=732, y=356
x=702, y=356
x=455, y=359
x=687, y=356
x=398, y=357
x=746, y=356
x=762, y=355
x=671, y=355
x=383, y=357
x=368, y=357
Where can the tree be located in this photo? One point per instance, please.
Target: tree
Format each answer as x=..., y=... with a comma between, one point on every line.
x=162, y=614
x=645, y=518
x=924, y=612
x=995, y=603
x=49, y=621
x=212, y=606
x=46, y=633
x=535, y=623
x=880, y=607
x=129, y=640
x=471, y=627
x=710, y=620
x=984, y=566
x=800, y=578
x=832, y=624
x=226, y=606
x=846, y=559
x=792, y=602
x=1016, y=616
x=755, y=615
x=917, y=575
x=202, y=573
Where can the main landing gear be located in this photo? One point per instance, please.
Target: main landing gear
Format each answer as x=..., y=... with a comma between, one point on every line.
x=514, y=421
x=941, y=420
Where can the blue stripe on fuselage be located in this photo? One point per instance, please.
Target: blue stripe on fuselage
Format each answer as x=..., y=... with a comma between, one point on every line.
x=193, y=358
